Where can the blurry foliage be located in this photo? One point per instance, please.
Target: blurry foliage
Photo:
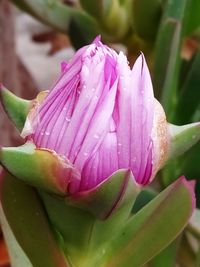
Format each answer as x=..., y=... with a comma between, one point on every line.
x=168, y=32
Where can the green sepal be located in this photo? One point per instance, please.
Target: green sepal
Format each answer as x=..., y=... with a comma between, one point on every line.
x=183, y=138
x=116, y=191
x=138, y=241
x=83, y=236
x=38, y=167
x=16, y=107
x=24, y=222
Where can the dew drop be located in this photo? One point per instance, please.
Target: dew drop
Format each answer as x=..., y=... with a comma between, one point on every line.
x=96, y=136
x=67, y=119
x=47, y=133
x=119, y=144
x=85, y=154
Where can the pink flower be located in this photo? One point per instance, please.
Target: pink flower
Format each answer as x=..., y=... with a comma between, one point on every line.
x=101, y=116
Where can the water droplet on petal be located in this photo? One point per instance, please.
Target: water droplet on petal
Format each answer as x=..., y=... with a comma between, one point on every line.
x=96, y=136
x=119, y=144
x=85, y=154
x=67, y=119
x=47, y=133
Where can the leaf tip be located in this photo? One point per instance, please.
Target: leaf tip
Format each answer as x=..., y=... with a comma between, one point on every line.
x=190, y=186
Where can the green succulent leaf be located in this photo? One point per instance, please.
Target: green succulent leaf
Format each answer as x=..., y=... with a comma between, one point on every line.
x=38, y=167
x=188, y=107
x=183, y=138
x=16, y=107
x=53, y=13
x=167, y=55
x=193, y=19
x=138, y=241
x=167, y=257
x=188, y=164
x=23, y=216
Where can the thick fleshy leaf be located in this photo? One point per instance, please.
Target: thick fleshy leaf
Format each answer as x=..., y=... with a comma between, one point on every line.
x=183, y=138
x=167, y=56
x=102, y=201
x=167, y=257
x=142, y=230
x=17, y=257
x=56, y=14
x=16, y=107
x=193, y=19
x=27, y=220
x=188, y=106
x=39, y=167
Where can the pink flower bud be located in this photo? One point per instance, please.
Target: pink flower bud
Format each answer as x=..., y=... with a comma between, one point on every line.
x=101, y=116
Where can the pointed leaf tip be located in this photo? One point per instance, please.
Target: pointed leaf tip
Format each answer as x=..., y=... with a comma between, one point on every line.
x=144, y=229
x=190, y=185
x=15, y=107
x=183, y=138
